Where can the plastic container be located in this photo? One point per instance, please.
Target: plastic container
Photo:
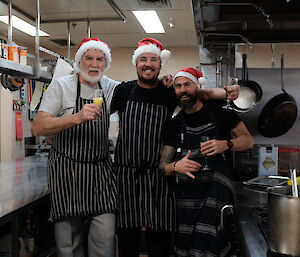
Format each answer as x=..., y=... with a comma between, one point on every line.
x=13, y=54
x=23, y=55
x=4, y=51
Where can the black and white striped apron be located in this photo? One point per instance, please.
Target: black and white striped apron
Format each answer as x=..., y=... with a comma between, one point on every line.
x=146, y=197
x=199, y=201
x=81, y=177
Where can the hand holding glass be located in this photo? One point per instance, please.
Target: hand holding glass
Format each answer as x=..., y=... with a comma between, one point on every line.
x=205, y=166
x=98, y=100
x=231, y=81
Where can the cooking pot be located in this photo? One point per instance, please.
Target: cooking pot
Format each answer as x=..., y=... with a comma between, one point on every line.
x=279, y=114
x=284, y=221
x=250, y=91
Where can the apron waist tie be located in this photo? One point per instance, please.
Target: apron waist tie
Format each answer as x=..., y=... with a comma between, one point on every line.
x=141, y=170
x=105, y=158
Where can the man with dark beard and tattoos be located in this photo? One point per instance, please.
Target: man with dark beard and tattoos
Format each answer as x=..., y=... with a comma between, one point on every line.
x=146, y=197
x=202, y=131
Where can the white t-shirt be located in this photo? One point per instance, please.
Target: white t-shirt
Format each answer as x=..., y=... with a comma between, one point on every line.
x=60, y=97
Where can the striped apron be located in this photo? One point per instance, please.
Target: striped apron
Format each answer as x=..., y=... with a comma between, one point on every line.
x=199, y=201
x=146, y=196
x=81, y=177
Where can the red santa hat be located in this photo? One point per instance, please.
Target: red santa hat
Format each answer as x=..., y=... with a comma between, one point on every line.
x=151, y=45
x=92, y=43
x=193, y=74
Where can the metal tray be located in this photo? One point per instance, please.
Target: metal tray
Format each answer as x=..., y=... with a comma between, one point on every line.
x=267, y=181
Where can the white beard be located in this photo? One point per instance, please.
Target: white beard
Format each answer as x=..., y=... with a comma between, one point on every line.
x=90, y=79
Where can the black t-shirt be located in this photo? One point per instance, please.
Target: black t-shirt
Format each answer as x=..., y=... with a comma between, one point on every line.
x=225, y=120
x=160, y=95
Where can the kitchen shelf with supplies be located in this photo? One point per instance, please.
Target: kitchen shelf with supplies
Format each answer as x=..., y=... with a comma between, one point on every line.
x=24, y=71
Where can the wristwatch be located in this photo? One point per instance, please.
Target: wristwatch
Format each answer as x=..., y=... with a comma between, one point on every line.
x=230, y=144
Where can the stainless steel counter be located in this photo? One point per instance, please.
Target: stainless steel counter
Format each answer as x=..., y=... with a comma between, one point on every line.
x=253, y=242
x=22, y=182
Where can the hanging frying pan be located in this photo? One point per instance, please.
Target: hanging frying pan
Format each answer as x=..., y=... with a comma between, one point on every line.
x=279, y=114
x=250, y=91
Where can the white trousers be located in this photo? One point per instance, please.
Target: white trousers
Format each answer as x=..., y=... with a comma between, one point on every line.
x=69, y=236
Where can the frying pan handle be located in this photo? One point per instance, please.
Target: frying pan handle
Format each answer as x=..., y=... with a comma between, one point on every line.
x=244, y=70
x=281, y=72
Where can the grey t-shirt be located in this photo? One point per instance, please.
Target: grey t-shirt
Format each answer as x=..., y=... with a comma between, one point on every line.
x=60, y=97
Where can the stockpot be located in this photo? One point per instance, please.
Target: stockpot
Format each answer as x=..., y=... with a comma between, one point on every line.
x=284, y=221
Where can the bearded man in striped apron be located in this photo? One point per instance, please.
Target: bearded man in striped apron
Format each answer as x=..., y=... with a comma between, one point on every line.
x=146, y=198
x=203, y=183
x=81, y=178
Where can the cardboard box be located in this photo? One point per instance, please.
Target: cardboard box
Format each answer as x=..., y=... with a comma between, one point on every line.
x=267, y=160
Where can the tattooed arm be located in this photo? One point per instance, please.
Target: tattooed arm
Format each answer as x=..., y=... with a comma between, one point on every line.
x=183, y=166
x=166, y=165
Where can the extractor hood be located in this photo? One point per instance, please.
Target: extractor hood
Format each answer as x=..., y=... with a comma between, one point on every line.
x=219, y=22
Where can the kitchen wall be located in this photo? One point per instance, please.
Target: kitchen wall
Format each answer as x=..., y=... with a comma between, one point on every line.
x=122, y=70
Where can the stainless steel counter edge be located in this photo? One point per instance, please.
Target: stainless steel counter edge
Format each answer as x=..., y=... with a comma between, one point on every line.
x=22, y=182
x=252, y=239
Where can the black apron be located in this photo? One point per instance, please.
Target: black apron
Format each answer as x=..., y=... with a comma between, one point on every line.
x=199, y=201
x=146, y=196
x=81, y=177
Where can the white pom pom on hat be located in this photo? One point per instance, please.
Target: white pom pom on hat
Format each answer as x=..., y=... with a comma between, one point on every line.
x=92, y=43
x=151, y=45
x=193, y=74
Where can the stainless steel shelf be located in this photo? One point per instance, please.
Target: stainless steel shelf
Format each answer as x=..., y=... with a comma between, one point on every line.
x=21, y=70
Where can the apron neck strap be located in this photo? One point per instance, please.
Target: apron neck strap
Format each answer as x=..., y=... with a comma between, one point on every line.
x=79, y=88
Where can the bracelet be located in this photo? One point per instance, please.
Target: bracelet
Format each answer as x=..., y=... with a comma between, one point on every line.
x=174, y=165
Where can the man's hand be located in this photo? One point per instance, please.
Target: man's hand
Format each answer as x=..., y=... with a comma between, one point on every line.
x=88, y=112
x=186, y=166
x=232, y=92
x=212, y=147
x=167, y=80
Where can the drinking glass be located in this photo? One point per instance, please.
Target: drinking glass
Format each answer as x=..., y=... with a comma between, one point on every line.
x=98, y=100
x=205, y=166
x=231, y=81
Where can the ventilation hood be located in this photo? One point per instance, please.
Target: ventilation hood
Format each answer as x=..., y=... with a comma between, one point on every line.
x=219, y=23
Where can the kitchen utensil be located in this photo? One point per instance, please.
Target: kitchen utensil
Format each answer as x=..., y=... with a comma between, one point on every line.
x=279, y=114
x=37, y=94
x=267, y=181
x=3, y=80
x=294, y=182
x=10, y=84
x=284, y=221
x=250, y=91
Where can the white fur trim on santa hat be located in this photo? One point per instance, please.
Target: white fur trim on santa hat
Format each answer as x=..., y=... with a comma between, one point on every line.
x=188, y=75
x=92, y=44
x=202, y=80
x=151, y=48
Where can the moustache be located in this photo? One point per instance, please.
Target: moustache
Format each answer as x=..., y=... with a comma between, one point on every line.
x=147, y=68
x=183, y=94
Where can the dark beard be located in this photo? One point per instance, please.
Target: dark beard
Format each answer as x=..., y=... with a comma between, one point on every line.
x=147, y=81
x=187, y=105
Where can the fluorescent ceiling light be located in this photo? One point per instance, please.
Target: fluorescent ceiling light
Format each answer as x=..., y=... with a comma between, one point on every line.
x=149, y=21
x=23, y=26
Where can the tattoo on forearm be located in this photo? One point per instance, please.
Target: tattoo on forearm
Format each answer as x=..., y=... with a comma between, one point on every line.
x=167, y=156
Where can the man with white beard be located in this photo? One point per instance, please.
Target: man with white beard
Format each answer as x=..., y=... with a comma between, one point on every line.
x=82, y=183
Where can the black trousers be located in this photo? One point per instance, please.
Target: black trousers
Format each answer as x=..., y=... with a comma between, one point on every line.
x=157, y=242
